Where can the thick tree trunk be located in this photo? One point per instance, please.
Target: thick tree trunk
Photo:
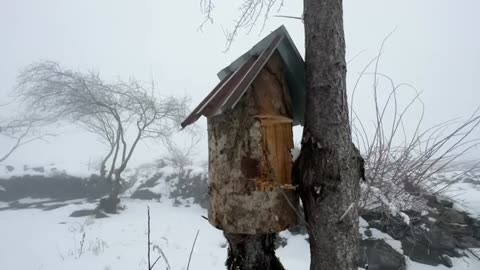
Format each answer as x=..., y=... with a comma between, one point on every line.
x=252, y=252
x=327, y=169
x=103, y=165
x=110, y=203
x=251, y=196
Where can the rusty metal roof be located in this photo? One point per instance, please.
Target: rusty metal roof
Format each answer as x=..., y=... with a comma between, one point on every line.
x=237, y=77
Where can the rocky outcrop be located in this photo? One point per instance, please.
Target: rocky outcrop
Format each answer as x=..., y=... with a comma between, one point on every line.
x=88, y=212
x=379, y=255
x=433, y=237
x=59, y=187
x=143, y=191
x=180, y=185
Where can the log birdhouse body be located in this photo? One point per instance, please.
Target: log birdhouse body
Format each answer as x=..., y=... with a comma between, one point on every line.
x=250, y=115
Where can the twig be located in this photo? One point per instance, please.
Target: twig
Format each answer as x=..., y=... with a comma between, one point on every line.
x=162, y=254
x=396, y=161
x=148, y=238
x=346, y=212
x=191, y=251
x=289, y=17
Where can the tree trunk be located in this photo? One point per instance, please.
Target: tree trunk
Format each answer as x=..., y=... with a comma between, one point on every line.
x=103, y=165
x=327, y=169
x=110, y=203
x=252, y=252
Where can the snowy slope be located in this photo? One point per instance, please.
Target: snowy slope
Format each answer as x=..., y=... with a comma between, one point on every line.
x=50, y=240
x=36, y=239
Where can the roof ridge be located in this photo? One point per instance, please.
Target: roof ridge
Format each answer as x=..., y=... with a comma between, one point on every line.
x=239, y=75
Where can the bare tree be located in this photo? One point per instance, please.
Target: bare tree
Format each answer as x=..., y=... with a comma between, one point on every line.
x=180, y=156
x=121, y=113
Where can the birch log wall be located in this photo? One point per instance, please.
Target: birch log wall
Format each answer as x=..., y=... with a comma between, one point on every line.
x=250, y=114
x=250, y=182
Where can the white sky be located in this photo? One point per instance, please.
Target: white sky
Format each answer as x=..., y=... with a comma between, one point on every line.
x=435, y=48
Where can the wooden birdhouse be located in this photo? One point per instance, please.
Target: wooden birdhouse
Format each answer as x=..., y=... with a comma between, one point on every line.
x=250, y=115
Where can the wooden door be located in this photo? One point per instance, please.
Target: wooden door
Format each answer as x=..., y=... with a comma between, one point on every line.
x=277, y=138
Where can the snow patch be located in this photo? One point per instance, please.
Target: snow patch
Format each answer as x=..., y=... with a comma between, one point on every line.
x=395, y=244
x=30, y=200
x=406, y=218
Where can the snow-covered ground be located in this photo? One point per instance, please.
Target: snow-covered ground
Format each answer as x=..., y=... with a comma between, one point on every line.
x=33, y=239
x=36, y=239
x=467, y=197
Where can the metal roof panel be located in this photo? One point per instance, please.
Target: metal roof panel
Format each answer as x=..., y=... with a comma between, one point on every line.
x=238, y=76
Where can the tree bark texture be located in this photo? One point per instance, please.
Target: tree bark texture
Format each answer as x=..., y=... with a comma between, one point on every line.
x=252, y=252
x=250, y=182
x=327, y=169
x=110, y=203
x=251, y=196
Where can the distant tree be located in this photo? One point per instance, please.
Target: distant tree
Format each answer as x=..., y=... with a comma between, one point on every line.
x=19, y=132
x=180, y=156
x=120, y=113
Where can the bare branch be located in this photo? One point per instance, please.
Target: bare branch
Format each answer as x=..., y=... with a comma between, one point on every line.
x=206, y=7
x=250, y=13
x=21, y=131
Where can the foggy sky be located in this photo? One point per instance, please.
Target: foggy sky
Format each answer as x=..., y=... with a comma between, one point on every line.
x=435, y=48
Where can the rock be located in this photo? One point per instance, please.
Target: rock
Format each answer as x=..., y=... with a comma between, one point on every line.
x=83, y=213
x=39, y=169
x=145, y=194
x=368, y=233
x=53, y=207
x=453, y=216
x=446, y=203
x=476, y=233
x=101, y=214
x=440, y=239
x=381, y=256
x=108, y=204
x=465, y=242
x=471, y=181
x=88, y=212
x=426, y=241
x=447, y=261
x=183, y=185
x=190, y=185
x=55, y=187
x=17, y=205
